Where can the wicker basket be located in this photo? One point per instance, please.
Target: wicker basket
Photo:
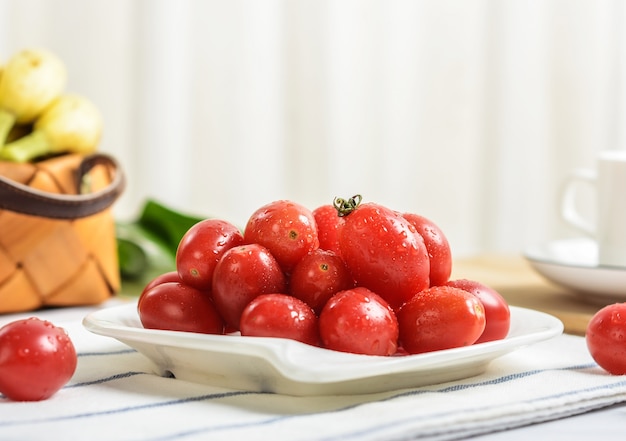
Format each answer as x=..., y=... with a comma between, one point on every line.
x=57, y=232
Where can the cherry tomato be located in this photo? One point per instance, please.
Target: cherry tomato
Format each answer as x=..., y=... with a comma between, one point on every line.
x=606, y=338
x=280, y=315
x=328, y=225
x=176, y=306
x=437, y=245
x=384, y=253
x=318, y=276
x=170, y=276
x=200, y=249
x=497, y=312
x=37, y=359
x=287, y=229
x=441, y=317
x=243, y=273
x=359, y=321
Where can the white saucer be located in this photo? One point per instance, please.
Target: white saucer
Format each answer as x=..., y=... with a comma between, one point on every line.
x=573, y=264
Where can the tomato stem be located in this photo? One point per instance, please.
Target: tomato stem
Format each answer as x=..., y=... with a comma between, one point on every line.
x=346, y=206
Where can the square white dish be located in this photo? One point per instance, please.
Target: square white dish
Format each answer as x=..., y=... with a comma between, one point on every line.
x=293, y=368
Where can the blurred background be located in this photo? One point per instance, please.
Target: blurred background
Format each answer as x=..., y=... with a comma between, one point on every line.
x=470, y=113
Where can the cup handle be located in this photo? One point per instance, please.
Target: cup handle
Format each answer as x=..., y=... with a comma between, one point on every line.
x=569, y=212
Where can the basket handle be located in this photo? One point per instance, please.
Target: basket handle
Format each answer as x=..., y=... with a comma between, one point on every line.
x=26, y=200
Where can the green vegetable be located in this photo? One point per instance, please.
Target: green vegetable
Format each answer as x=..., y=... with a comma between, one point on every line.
x=147, y=246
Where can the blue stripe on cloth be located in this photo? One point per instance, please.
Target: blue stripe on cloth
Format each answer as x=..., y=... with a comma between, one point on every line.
x=105, y=379
x=395, y=423
x=127, y=409
x=412, y=419
x=275, y=419
x=102, y=354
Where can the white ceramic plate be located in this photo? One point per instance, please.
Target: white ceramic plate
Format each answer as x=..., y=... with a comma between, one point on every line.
x=573, y=264
x=292, y=368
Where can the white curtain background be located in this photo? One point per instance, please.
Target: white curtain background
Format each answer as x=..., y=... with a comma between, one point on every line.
x=468, y=112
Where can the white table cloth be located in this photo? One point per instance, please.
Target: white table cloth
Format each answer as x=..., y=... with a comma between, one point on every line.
x=115, y=396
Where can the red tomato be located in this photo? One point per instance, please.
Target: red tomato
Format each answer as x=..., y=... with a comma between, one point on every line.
x=280, y=315
x=318, y=276
x=287, y=229
x=36, y=359
x=171, y=276
x=328, y=225
x=359, y=321
x=437, y=246
x=497, y=312
x=176, y=306
x=200, y=249
x=441, y=317
x=243, y=273
x=384, y=253
x=606, y=338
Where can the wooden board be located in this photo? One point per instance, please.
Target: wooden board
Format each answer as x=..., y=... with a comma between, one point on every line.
x=520, y=285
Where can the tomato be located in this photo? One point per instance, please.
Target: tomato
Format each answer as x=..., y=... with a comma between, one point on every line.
x=318, y=276
x=328, y=225
x=280, y=315
x=200, y=249
x=384, y=253
x=176, y=306
x=441, y=317
x=606, y=338
x=287, y=229
x=170, y=276
x=243, y=273
x=359, y=321
x=497, y=312
x=37, y=359
x=437, y=245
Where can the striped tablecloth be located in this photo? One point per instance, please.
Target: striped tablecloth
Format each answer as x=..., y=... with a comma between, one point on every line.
x=115, y=396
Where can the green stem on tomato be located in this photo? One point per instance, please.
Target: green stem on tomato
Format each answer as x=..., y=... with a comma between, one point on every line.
x=346, y=206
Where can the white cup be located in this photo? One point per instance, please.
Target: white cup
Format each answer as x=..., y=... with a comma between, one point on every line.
x=609, y=183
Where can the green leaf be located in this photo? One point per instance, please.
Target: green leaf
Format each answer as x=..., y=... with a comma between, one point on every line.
x=147, y=246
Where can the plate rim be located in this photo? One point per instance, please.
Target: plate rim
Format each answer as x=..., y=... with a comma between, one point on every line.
x=280, y=352
x=537, y=253
x=597, y=284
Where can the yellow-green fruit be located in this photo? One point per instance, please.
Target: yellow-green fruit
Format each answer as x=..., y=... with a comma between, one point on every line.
x=71, y=123
x=31, y=79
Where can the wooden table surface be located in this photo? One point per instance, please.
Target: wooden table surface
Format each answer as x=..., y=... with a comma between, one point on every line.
x=520, y=285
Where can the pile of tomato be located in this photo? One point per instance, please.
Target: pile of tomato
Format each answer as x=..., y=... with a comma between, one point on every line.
x=348, y=276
